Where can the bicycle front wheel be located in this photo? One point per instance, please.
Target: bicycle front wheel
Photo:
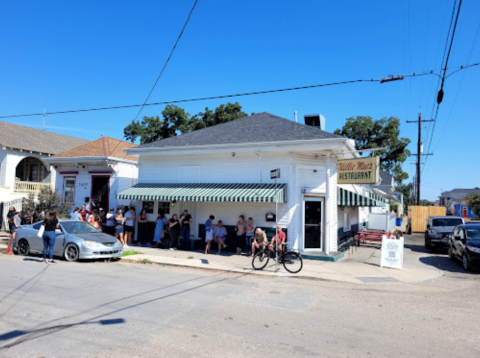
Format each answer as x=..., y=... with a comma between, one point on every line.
x=260, y=260
x=292, y=262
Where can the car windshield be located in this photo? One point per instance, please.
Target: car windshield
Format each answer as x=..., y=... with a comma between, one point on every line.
x=79, y=227
x=473, y=233
x=447, y=222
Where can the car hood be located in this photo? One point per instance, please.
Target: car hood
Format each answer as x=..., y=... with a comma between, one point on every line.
x=97, y=237
x=444, y=229
x=474, y=243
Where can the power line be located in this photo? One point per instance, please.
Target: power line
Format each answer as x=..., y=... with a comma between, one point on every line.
x=459, y=86
x=441, y=64
x=445, y=67
x=384, y=79
x=169, y=57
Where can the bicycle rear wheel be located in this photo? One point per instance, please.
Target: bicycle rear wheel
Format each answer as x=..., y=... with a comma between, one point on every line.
x=292, y=262
x=260, y=260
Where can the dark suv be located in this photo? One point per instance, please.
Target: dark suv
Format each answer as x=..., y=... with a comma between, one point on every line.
x=439, y=230
x=465, y=245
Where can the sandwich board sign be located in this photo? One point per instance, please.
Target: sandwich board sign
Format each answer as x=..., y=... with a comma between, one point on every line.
x=392, y=252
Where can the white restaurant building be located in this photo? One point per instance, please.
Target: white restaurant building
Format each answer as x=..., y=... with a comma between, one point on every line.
x=224, y=170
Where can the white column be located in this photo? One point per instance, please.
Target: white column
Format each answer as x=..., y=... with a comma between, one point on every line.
x=327, y=210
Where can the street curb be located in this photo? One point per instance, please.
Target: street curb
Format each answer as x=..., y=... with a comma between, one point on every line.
x=230, y=271
x=263, y=275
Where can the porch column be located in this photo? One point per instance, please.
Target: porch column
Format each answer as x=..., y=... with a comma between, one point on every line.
x=327, y=208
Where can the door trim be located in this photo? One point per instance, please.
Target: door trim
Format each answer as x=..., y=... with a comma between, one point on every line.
x=321, y=198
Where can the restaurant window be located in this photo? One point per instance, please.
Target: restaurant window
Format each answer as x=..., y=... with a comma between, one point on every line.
x=148, y=207
x=346, y=221
x=69, y=193
x=164, y=207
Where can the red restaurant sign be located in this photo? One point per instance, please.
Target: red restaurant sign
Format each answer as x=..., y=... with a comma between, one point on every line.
x=358, y=171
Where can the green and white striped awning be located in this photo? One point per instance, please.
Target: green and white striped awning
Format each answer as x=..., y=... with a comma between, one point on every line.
x=265, y=193
x=348, y=198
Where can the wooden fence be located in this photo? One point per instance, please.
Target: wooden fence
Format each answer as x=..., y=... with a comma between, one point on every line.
x=418, y=215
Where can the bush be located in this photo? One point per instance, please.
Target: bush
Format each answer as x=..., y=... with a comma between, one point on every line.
x=38, y=206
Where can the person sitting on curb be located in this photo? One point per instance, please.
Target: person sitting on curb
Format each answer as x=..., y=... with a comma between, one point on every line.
x=220, y=233
x=259, y=240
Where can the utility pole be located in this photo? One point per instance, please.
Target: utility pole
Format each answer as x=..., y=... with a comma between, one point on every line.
x=419, y=155
x=43, y=123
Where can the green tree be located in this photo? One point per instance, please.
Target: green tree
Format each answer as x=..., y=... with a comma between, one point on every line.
x=406, y=190
x=152, y=129
x=385, y=132
x=38, y=206
x=177, y=121
x=474, y=203
x=424, y=202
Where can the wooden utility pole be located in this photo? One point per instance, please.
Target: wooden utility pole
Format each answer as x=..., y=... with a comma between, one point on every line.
x=419, y=155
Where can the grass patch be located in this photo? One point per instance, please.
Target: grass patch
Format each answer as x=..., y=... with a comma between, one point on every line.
x=190, y=257
x=146, y=262
x=131, y=252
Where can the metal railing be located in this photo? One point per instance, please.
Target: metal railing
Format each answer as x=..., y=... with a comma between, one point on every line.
x=29, y=186
x=5, y=206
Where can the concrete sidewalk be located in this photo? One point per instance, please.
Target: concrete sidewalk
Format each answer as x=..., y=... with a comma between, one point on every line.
x=360, y=265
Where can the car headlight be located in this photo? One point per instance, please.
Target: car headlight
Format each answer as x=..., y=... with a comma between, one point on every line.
x=92, y=244
x=473, y=249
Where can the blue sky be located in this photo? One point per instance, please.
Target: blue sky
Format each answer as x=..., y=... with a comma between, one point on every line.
x=70, y=55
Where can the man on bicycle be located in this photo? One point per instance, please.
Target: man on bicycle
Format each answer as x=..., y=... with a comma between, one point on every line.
x=277, y=241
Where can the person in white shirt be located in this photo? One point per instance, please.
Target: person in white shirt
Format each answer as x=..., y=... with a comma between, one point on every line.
x=110, y=223
x=129, y=225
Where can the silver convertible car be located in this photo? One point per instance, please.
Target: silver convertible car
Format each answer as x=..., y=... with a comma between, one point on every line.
x=76, y=240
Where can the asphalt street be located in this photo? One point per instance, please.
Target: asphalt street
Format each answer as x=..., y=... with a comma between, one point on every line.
x=134, y=310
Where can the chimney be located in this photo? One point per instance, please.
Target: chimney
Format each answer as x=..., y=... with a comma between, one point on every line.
x=315, y=120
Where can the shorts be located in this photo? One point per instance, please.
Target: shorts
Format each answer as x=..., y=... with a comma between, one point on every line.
x=128, y=228
x=13, y=229
x=208, y=236
x=119, y=230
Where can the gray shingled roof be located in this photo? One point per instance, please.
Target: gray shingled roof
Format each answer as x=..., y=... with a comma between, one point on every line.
x=258, y=128
x=36, y=140
x=386, y=184
x=459, y=194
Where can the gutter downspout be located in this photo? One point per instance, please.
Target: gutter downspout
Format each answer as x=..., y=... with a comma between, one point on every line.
x=327, y=208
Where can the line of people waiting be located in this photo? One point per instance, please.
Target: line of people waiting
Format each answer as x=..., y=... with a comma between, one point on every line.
x=121, y=224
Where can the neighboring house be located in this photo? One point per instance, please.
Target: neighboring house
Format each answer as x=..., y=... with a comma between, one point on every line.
x=23, y=151
x=225, y=170
x=94, y=173
x=456, y=202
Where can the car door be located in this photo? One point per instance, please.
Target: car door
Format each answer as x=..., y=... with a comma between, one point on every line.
x=59, y=242
x=35, y=242
x=459, y=240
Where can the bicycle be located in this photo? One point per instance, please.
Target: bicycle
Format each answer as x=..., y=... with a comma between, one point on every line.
x=291, y=260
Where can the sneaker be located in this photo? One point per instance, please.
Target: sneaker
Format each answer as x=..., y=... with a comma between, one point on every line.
x=125, y=246
x=48, y=262
x=171, y=249
x=53, y=262
x=218, y=253
x=149, y=245
x=45, y=261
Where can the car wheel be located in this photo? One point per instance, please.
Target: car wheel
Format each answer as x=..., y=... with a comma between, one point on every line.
x=427, y=243
x=450, y=253
x=466, y=262
x=23, y=247
x=71, y=253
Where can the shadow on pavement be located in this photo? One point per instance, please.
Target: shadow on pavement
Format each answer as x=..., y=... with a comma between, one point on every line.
x=36, y=333
x=445, y=264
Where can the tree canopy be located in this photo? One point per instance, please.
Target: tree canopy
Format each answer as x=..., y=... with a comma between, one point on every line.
x=385, y=132
x=474, y=203
x=176, y=121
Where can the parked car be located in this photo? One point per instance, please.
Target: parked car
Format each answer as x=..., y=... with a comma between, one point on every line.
x=465, y=245
x=76, y=240
x=439, y=230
